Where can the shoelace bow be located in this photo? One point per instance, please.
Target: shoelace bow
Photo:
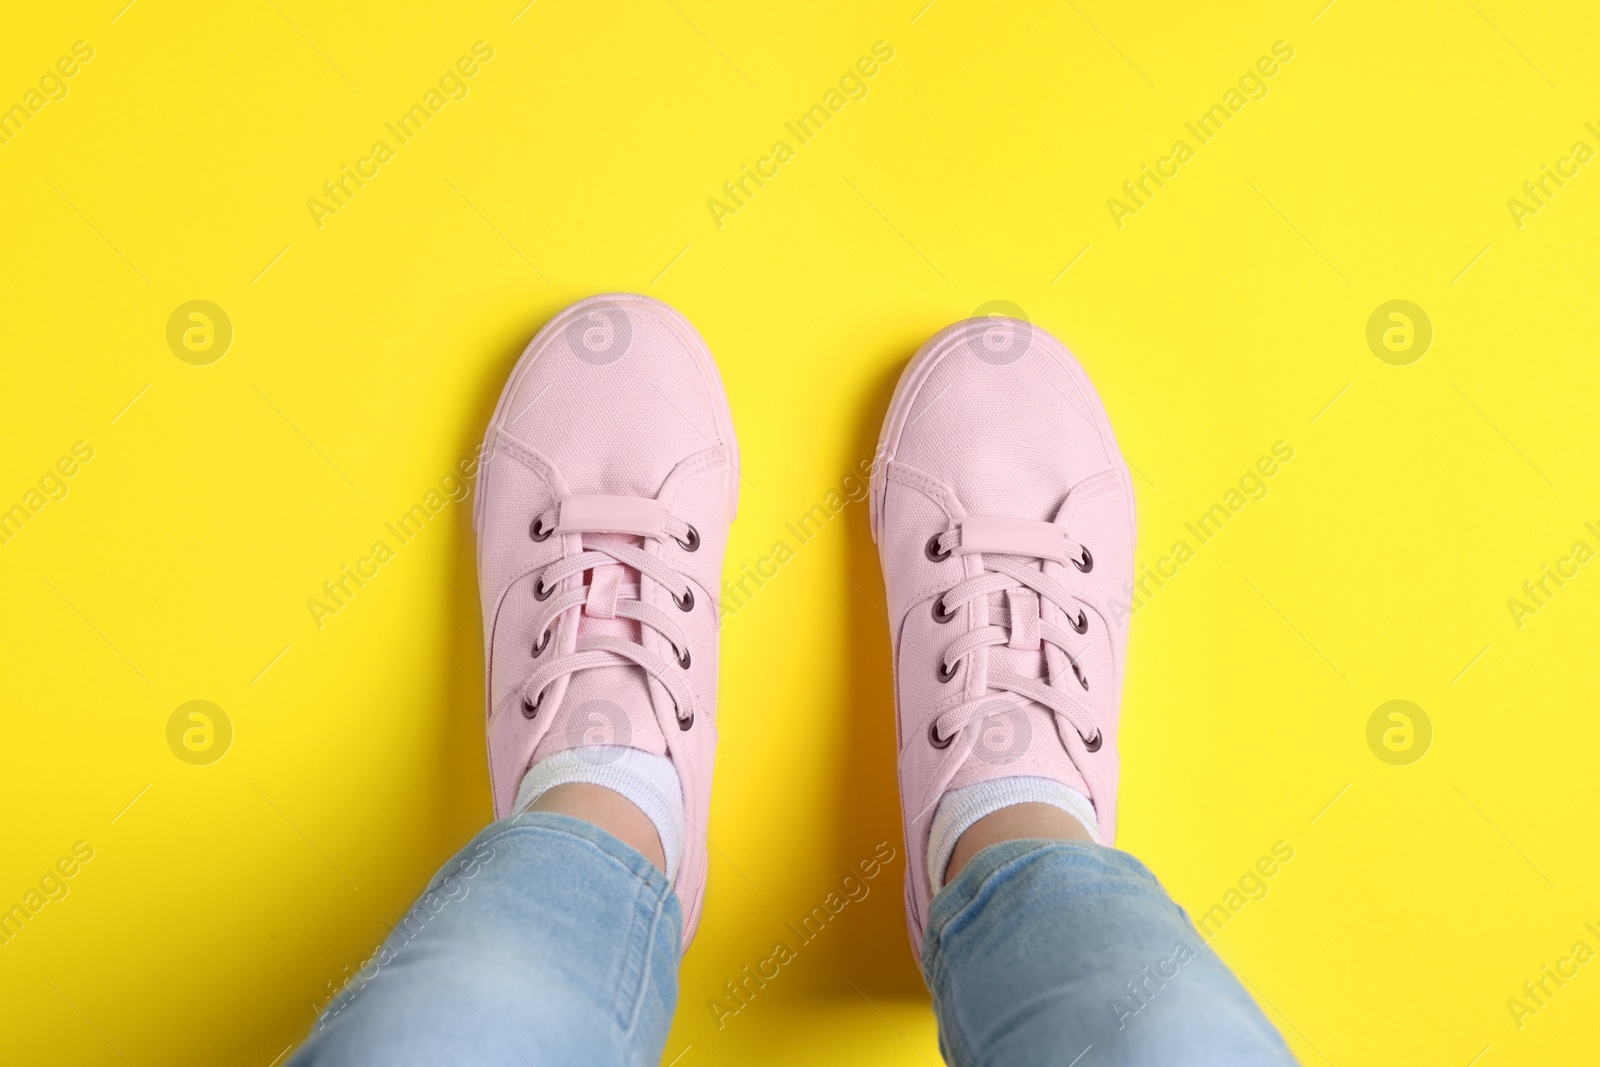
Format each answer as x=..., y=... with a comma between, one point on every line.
x=1007, y=576
x=603, y=650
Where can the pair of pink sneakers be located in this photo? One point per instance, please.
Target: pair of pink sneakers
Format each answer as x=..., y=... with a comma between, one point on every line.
x=1001, y=507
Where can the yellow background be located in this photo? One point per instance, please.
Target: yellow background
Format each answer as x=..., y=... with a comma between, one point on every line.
x=1224, y=316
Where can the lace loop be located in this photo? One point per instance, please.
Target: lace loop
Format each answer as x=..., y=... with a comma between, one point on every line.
x=560, y=591
x=1026, y=589
x=635, y=516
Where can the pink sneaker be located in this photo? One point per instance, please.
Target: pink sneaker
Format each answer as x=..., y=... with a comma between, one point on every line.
x=609, y=482
x=1003, y=514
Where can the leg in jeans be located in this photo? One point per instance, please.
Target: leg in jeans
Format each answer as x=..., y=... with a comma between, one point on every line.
x=546, y=940
x=604, y=499
x=1004, y=517
x=1039, y=951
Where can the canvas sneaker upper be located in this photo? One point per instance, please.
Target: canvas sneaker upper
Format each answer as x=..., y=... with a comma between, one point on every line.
x=1003, y=513
x=608, y=487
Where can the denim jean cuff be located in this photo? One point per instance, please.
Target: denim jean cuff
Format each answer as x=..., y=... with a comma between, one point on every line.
x=960, y=892
x=568, y=826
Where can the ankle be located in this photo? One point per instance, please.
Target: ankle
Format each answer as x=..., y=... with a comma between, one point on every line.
x=1026, y=820
x=609, y=810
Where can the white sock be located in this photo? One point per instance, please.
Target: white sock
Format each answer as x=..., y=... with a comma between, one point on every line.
x=650, y=782
x=960, y=808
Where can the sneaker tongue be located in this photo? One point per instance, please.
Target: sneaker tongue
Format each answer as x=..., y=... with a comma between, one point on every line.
x=1018, y=610
x=606, y=705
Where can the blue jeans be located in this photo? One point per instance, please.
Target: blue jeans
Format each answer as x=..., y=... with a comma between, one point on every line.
x=547, y=941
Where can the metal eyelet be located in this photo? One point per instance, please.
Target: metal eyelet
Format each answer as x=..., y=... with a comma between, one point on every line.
x=530, y=710
x=946, y=675
x=537, y=532
x=683, y=659
x=1094, y=743
x=1082, y=624
x=932, y=550
x=687, y=602
x=544, y=642
x=684, y=724
x=933, y=736
x=1086, y=564
x=693, y=542
x=1083, y=681
x=540, y=592
x=939, y=614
